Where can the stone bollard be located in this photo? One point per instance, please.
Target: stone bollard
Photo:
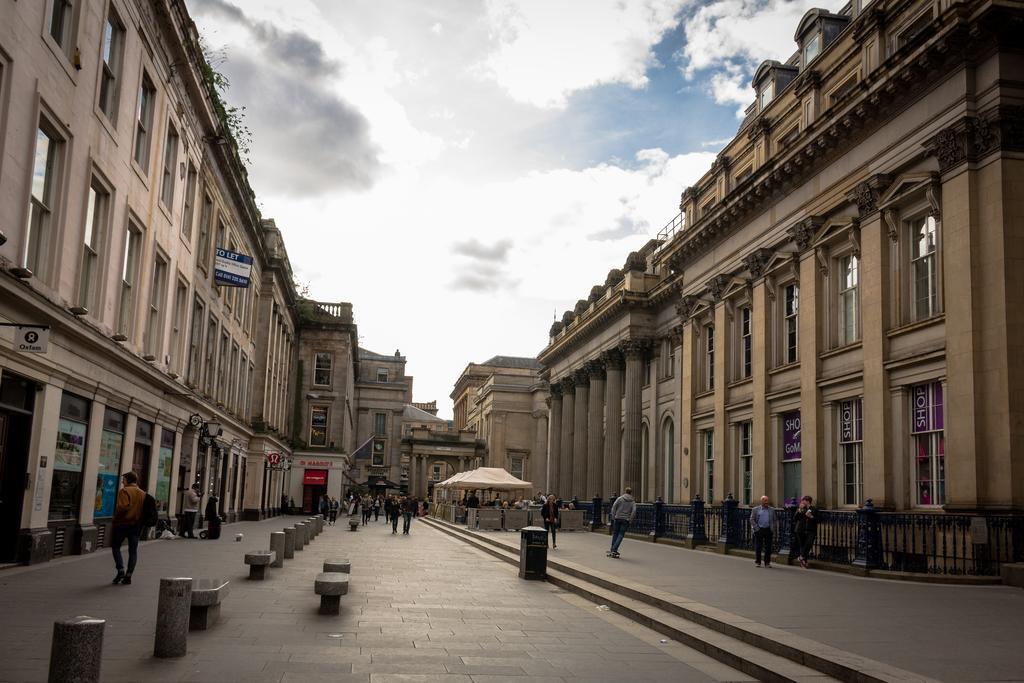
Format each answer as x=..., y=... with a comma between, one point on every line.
x=277, y=547
x=77, y=650
x=311, y=522
x=319, y=525
x=289, y=542
x=172, y=612
x=299, y=536
x=307, y=533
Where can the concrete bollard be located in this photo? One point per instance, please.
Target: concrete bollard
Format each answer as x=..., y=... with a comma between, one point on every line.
x=299, y=536
x=76, y=651
x=289, y=542
x=320, y=522
x=307, y=537
x=277, y=547
x=312, y=528
x=172, y=612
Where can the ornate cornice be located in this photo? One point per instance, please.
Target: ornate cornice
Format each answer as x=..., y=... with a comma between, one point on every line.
x=867, y=193
x=803, y=232
x=635, y=348
x=613, y=359
x=580, y=377
x=973, y=137
x=686, y=306
x=717, y=286
x=761, y=126
x=757, y=261
x=555, y=391
x=595, y=369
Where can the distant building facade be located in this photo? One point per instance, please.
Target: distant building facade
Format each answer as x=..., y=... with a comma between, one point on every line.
x=502, y=401
x=382, y=392
x=835, y=311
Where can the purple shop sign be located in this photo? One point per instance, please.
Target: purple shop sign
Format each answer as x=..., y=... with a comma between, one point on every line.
x=927, y=402
x=850, y=425
x=791, y=435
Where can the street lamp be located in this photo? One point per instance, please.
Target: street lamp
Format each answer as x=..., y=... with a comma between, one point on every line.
x=208, y=430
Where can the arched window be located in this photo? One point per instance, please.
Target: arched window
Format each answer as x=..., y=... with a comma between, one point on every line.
x=668, y=441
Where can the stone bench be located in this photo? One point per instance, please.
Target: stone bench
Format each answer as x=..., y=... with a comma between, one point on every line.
x=353, y=524
x=258, y=561
x=330, y=586
x=338, y=566
x=207, y=595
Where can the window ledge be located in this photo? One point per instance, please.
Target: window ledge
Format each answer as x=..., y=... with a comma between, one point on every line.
x=736, y=383
x=778, y=370
x=704, y=393
x=916, y=325
x=840, y=350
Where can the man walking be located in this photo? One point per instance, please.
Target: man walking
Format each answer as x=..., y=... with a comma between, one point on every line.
x=762, y=521
x=189, y=511
x=622, y=513
x=408, y=510
x=127, y=525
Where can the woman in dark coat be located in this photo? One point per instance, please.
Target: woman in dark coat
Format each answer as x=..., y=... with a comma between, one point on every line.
x=549, y=511
x=805, y=524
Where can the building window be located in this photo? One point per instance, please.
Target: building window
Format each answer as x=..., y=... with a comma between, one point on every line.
x=927, y=422
x=851, y=451
x=670, y=371
x=157, y=299
x=435, y=472
x=61, y=19
x=709, y=358
x=516, y=466
x=767, y=94
x=205, y=217
x=746, y=342
x=69, y=457
x=811, y=48
x=790, y=325
x=231, y=401
x=111, y=61
x=746, y=463
x=792, y=454
x=378, y=452
x=380, y=423
x=195, y=342
x=210, y=364
x=129, y=279
x=170, y=162
x=322, y=369
x=96, y=214
x=647, y=370
x=923, y=267
x=382, y=375
x=707, y=438
x=144, y=122
x=178, y=318
x=42, y=204
x=222, y=365
x=187, y=211
x=318, y=425
x=849, y=279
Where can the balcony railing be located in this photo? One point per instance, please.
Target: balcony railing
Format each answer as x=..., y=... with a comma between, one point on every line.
x=671, y=229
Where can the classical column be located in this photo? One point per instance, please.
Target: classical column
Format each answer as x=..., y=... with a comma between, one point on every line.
x=812, y=467
x=579, y=442
x=595, y=432
x=554, y=439
x=634, y=351
x=568, y=422
x=612, y=423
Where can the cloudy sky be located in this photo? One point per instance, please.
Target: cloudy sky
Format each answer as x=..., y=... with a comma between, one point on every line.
x=463, y=170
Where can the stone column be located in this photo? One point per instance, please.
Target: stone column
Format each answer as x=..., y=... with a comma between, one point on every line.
x=565, y=457
x=595, y=431
x=90, y=468
x=813, y=462
x=876, y=403
x=762, y=464
x=634, y=350
x=579, y=442
x=554, y=439
x=612, y=471
x=724, y=454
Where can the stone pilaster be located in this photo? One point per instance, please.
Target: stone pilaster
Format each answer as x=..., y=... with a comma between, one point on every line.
x=554, y=440
x=595, y=431
x=568, y=429
x=634, y=350
x=580, y=439
x=762, y=467
x=612, y=479
x=725, y=467
x=811, y=344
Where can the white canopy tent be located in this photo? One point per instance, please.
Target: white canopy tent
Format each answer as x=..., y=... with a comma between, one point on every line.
x=486, y=478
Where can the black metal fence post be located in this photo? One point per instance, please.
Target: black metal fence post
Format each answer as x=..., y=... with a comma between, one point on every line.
x=595, y=516
x=729, y=536
x=869, y=539
x=697, y=535
x=659, y=519
x=786, y=533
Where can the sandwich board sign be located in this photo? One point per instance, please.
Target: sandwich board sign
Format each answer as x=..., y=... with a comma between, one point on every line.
x=31, y=338
x=231, y=268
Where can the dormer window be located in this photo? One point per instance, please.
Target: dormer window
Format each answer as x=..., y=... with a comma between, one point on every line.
x=767, y=94
x=811, y=48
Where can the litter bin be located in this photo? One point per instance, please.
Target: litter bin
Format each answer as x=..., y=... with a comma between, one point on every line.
x=533, y=552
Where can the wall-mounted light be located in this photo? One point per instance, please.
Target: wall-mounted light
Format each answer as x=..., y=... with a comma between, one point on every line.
x=208, y=430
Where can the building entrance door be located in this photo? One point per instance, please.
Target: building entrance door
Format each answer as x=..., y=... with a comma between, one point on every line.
x=314, y=487
x=17, y=401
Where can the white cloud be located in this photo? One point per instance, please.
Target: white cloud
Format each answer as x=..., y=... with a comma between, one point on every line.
x=548, y=50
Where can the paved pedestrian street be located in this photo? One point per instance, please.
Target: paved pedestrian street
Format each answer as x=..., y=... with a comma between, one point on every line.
x=423, y=607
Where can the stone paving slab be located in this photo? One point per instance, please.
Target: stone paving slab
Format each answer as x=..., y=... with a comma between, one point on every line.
x=422, y=607
x=948, y=632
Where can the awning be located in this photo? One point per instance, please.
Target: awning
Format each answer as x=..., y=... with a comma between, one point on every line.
x=380, y=483
x=488, y=478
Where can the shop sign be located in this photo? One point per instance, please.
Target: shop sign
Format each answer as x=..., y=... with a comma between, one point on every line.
x=320, y=464
x=273, y=458
x=31, y=338
x=791, y=446
x=231, y=269
x=927, y=405
x=315, y=477
x=850, y=424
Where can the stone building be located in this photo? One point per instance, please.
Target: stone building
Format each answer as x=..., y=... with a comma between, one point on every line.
x=832, y=312
x=382, y=392
x=503, y=402
x=118, y=184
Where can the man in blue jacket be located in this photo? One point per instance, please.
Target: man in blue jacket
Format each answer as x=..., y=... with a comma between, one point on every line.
x=762, y=521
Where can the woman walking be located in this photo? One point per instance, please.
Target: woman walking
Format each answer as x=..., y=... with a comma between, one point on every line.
x=805, y=524
x=549, y=511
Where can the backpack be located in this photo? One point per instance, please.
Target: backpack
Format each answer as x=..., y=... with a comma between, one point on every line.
x=150, y=516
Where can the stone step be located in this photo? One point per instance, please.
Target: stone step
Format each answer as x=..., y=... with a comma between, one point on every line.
x=665, y=612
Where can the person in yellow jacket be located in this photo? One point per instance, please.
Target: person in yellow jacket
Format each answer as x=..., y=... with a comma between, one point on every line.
x=127, y=525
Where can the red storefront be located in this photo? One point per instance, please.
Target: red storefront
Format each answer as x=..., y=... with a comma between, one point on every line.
x=314, y=487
